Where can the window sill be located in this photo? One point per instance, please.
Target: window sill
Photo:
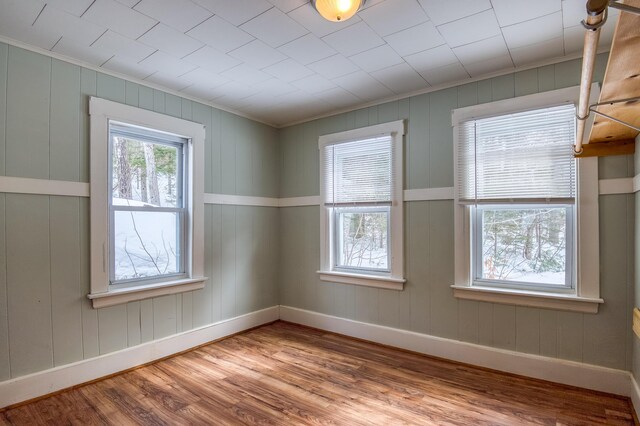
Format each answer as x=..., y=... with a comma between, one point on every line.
x=130, y=294
x=363, y=280
x=563, y=302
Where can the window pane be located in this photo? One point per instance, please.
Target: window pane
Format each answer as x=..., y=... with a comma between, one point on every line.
x=362, y=239
x=146, y=244
x=145, y=173
x=524, y=244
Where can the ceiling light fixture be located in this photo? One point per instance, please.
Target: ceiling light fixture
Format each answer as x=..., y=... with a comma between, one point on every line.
x=337, y=10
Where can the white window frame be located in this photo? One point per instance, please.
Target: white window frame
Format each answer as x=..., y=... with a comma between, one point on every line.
x=394, y=279
x=102, y=293
x=585, y=295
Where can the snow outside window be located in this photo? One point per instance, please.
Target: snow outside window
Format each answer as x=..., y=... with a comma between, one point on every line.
x=147, y=204
x=361, y=211
x=517, y=175
x=525, y=209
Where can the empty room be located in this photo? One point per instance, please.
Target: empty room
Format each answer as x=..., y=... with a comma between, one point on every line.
x=294, y=212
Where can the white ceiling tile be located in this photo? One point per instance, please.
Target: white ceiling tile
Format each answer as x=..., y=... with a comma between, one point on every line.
x=118, y=17
x=307, y=49
x=448, y=74
x=574, y=39
x=258, y=54
x=274, y=28
x=115, y=44
x=234, y=90
x=377, y=58
x=179, y=14
x=354, y=39
x=128, y=3
x=485, y=66
x=130, y=67
x=527, y=54
x=200, y=92
x=170, y=81
x=212, y=59
x=75, y=7
x=168, y=64
x=220, y=34
x=246, y=74
x=61, y=23
x=20, y=10
x=334, y=66
x=309, y=18
x=274, y=87
x=534, y=31
x=314, y=84
x=338, y=97
x=363, y=86
x=488, y=48
x=400, y=78
x=27, y=34
x=170, y=41
x=16, y=19
x=573, y=12
x=511, y=12
x=389, y=17
x=432, y=58
x=288, y=70
x=443, y=11
x=288, y=5
x=204, y=78
x=80, y=52
x=415, y=39
x=470, y=29
x=236, y=11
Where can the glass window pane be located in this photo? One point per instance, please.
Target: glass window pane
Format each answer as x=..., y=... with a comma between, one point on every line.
x=145, y=173
x=524, y=245
x=362, y=239
x=146, y=244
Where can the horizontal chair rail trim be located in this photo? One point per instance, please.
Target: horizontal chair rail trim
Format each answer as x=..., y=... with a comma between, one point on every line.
x=20, y=185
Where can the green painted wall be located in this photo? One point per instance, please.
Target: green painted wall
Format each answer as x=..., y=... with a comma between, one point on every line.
x=427, y=305
x=45, y=318
x=257, y=257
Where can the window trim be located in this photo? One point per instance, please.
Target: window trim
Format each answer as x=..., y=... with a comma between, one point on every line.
x=395, y=279
x=102, y=293
x=585, y=297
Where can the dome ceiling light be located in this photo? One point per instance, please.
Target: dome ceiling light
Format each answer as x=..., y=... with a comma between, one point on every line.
x=337, y=10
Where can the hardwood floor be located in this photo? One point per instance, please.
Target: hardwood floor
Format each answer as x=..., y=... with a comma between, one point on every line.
x=288, y=374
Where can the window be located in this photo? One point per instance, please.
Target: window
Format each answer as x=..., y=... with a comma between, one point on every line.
x=146, y=204
x=361, y=211
x=519, y=208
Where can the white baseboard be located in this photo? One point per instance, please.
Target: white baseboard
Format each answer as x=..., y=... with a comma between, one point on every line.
x=539, y=367
x=45, y=382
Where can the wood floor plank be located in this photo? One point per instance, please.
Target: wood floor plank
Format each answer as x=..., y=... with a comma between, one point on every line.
x=288, y=374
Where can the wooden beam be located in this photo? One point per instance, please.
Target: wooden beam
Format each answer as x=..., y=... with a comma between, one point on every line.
x=621, y=81
x=603, y=149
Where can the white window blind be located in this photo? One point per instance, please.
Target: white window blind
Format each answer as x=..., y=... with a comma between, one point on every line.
x=526, y=156
x=358, y=173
